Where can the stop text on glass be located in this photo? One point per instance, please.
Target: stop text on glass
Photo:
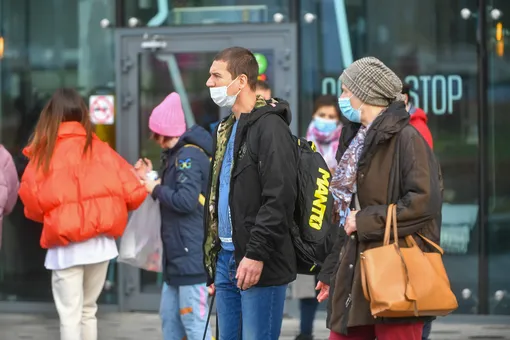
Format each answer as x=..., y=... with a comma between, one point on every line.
x=435, y=94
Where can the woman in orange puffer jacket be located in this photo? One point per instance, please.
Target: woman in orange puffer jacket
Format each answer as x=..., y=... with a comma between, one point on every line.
x=81, y=190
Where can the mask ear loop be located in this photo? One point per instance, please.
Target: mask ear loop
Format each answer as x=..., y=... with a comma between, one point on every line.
x=359, y=108
x=232, y=83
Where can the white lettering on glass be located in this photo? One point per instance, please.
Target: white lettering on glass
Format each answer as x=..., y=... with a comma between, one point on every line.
x=435, y=94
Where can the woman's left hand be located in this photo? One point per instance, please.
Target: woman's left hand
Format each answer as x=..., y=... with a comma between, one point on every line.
x=150, y=184
x=323, y=291
x=350, y=223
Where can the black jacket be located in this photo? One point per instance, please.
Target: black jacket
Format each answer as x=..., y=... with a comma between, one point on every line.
x=184, y=174
x=263, y=192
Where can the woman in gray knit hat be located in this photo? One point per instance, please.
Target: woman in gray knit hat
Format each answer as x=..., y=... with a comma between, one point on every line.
x=363, y=186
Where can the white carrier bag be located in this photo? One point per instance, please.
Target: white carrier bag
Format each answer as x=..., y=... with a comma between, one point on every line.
x=141, y=245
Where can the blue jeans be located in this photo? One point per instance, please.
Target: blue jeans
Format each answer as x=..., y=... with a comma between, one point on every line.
x=427, y=327
x=307, y=308
x=261, y=308
x=183, y=312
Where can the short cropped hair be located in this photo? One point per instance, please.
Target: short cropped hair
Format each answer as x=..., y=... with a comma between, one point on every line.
x=240, y=61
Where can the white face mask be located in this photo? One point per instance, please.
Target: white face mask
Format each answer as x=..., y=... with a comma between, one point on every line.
x=220, y=96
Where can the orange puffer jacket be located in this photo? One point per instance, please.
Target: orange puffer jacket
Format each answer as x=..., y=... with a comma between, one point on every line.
x=81, y=197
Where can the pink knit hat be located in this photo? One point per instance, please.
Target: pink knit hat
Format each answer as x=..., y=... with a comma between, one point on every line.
x=167, y=119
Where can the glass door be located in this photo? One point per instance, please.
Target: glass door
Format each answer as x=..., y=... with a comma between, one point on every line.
x=151, y=63
x=498, y=155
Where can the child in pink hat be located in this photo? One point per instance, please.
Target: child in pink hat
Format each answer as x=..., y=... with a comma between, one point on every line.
x=167, y=124
x=180, y=191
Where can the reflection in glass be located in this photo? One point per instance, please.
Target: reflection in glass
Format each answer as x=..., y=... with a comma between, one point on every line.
x=48, y=44
x=438, y=60
x=499, y=163
x=203, y=12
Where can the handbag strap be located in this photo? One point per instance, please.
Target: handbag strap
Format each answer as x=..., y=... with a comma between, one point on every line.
x=394, y=220
x=394, y=194
x=433, y=244
x=391, y=225
x=394, y=188
x=389, y=213
x=393, y=191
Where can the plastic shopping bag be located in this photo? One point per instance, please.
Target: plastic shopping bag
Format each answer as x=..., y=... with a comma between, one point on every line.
x=141, y=245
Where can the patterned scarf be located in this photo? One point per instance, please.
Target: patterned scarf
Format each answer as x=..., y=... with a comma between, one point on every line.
x=343, y=185
x=326, y=143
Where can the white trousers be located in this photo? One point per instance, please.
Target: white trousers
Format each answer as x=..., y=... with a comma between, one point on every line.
x=75, y=291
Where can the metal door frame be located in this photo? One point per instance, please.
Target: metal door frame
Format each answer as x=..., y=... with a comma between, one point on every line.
x=281, y=38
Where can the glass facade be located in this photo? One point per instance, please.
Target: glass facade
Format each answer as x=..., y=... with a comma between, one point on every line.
x=428, y=44
x=434, y=50
x=498, y=219
x=47, y=45
x=205, y=12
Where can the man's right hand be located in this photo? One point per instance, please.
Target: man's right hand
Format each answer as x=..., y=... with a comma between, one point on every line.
x=324, y=291
x=211, y=289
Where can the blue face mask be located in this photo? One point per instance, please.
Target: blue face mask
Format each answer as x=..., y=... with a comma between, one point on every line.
x=325, y=125
x=348, y=111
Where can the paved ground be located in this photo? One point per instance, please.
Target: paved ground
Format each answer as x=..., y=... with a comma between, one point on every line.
x=131, y=326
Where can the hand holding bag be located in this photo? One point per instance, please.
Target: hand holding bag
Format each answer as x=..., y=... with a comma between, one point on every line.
x=405, y=282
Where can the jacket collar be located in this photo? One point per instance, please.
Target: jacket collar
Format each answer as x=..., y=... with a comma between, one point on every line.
x=67, y=129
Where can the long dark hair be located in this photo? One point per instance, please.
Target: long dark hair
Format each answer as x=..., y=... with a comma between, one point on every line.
x=66, y=105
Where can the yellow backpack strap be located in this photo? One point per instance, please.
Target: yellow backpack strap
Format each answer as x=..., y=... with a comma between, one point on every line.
x=201, y=197
x=193, y=146
x=313, y=146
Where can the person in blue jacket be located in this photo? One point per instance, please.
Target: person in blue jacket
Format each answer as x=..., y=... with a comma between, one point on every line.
x=180, y=189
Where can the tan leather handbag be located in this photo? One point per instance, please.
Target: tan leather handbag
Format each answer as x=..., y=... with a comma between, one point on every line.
x=405, y=282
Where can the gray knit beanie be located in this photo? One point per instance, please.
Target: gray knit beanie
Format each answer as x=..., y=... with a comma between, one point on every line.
x=372, y=82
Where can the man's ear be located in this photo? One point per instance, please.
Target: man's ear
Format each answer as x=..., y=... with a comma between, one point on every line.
x=243, y=81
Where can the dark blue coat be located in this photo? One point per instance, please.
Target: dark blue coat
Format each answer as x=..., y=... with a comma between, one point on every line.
x=185, y=176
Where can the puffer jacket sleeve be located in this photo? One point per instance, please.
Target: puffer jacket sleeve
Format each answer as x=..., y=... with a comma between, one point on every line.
x=29, y=194
x=9, y=183
x=420, y=192
x=133, y=190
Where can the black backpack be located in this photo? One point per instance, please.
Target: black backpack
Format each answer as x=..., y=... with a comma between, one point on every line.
x=313, y=233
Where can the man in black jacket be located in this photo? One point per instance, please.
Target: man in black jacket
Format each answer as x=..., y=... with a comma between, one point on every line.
x=249, y=255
